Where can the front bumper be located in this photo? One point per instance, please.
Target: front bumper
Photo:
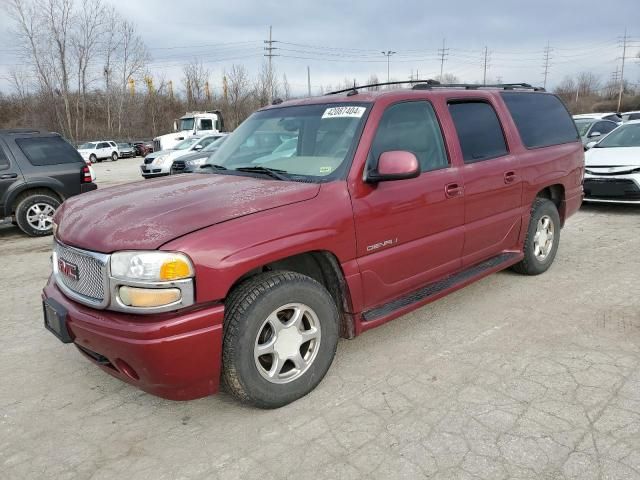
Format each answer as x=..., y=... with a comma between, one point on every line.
x=176, y=356
x=619, y=188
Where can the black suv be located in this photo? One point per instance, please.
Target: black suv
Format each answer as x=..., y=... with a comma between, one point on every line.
x=38, y=171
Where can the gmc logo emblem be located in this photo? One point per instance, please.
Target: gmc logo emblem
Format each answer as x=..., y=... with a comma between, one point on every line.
x=68, y=269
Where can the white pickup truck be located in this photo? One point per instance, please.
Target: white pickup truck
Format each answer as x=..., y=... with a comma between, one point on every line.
x=191, y=123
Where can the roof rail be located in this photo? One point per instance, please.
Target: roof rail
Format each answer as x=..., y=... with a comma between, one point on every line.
x=19, y=131
x=434, y=84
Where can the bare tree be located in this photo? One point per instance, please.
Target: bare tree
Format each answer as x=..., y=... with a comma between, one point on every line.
x=286, y=88
x=238, y=93
x=195, y=81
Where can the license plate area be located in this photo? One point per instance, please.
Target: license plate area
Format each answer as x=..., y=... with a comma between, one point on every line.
x=55, y=320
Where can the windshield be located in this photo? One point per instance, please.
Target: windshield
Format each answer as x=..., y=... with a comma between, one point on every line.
x=309, y=140
x=624, y=136
x=87, y=146
x=124, y=145
x=186, y=143
x=186, y=123
x=214, y=145
x=583, y=126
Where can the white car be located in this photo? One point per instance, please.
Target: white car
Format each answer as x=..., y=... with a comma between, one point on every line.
x=613, y=116
x=97, y=151
x=158, y=164
x=612, y=167
x=634, y=115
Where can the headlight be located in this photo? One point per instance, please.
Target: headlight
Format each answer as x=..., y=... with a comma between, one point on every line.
x=196, y=162
x=160, y=160
x=151, y=266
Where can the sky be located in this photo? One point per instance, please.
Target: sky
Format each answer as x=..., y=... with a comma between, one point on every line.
x=341, y=40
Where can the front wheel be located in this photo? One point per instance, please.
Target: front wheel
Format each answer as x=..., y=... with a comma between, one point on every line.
x=543, y=238
x=280, y=337
x=114, y=156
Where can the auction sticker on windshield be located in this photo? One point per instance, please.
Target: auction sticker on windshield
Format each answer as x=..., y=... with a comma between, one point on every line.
x=343, y=112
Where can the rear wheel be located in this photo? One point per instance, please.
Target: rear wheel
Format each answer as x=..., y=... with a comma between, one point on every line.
x=281, y=333
x=93, y=158
x=34, y=214
x=543, y=238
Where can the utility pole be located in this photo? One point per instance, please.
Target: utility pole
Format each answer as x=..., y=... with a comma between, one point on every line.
x=443, y=53
x=486, y=59
x=547, y=57
x=388, y=54
x=269, y=49
x=624, y=54
x=308, y=81
x=170, y=87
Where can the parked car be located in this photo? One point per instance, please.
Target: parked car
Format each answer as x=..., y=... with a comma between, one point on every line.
x=158, y=164
x=125, y=150
x=613, y=116
x=591, y=129
x=142, y=149
x=38, y=171
x=252, y=271
x=192, y=162
x=99, y=150
x=627, y=116
x=612, y=167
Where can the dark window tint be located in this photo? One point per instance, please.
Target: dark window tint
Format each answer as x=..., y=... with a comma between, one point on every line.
x=48, y=150
x=634, y=116
x=4, y=161
x=479, y=131
x=613, y=118
x=604, y=127
x=206, y=124
x=413, y=127
x=541, y=118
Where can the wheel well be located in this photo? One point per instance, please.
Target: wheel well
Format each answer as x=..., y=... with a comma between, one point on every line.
x=33, y=191
x=555, y=193
x=323, y=267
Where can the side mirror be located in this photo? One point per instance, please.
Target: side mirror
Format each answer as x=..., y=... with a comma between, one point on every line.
x=394, y=165
x=590, y=145
x=594, y=134
x=198, y=147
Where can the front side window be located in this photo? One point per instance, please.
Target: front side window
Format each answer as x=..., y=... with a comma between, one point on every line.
x=48, y=150
x=604, y=127
x=206, y=124
x=624, y=136
x=479, y=131
x=186, y=143
x=583, y=126
x=306, y=142
x=214, y=145
x=412, y=127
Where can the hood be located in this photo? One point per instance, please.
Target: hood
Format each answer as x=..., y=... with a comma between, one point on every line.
x=148, y=214
x=615, y=156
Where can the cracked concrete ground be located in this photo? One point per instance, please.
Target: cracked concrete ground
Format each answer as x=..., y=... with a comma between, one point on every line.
x=512, y=377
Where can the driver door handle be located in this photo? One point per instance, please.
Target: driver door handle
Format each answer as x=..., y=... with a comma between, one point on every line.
x=453, y=190
x=6, y=176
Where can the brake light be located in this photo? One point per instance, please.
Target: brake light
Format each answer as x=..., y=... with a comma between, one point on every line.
x=85, y=174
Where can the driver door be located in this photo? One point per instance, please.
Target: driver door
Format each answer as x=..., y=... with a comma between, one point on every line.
x=409, y=232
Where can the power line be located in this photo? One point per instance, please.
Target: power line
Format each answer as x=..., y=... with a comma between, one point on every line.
x=547, y=57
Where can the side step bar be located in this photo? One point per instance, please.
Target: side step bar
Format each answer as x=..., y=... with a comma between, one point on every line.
x=435, y=288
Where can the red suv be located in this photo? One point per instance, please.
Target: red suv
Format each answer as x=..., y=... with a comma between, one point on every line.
x=251, y=269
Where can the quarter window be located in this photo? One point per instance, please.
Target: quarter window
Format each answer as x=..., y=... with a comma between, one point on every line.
x=413, y=127
x=479, y=131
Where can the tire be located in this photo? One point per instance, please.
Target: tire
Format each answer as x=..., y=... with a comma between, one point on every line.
x=114, y=157
x=27, y=215
x=538, y=258
x=93, y=158
x=249, y=323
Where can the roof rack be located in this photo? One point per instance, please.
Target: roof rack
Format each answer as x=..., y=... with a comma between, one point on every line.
x=430, y=84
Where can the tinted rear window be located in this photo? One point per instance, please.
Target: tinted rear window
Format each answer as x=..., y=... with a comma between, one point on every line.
x=479, y=131
x=48, y=151
x=541, y=119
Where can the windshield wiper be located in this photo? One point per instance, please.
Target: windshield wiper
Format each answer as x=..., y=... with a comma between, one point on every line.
x=213, y=166
x=272, y=172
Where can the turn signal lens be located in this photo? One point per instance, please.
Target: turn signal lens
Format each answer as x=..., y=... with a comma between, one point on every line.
x=175, y=269
x=148, y=297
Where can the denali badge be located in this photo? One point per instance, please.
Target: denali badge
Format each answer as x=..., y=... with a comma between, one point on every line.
x=386, y=243
x=68, y=269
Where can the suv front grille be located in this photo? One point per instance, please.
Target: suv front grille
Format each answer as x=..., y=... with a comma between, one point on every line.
x=91, y=270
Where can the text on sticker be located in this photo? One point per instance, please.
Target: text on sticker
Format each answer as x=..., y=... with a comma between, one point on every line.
x=342, y=112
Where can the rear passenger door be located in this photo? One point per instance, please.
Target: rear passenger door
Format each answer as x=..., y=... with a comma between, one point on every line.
x=409, y=232
x=492, y=183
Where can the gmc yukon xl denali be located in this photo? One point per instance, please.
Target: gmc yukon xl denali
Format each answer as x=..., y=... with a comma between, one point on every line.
x=250, y=271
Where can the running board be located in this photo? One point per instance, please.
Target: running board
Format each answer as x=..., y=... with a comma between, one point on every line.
x=433, y=289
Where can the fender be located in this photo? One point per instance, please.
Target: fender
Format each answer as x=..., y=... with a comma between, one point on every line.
x=18, y=187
